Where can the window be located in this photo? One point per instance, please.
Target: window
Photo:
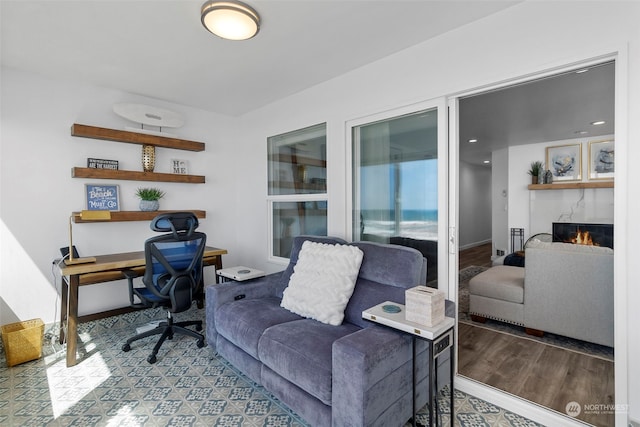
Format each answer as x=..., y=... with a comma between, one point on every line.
x=395, y=183
x=297, y=193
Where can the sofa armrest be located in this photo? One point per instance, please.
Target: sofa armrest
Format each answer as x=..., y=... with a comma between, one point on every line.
x=223, y=293
x=371, y=371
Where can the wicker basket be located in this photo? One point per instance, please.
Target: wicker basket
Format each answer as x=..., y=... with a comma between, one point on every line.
x=23, y=341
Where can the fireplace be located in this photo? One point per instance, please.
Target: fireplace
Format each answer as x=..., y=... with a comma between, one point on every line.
x=583, y=233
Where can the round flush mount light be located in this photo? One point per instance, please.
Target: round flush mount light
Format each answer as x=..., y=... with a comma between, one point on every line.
x=231, y=20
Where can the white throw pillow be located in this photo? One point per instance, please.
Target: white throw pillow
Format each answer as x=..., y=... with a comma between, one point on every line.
x=322, y=282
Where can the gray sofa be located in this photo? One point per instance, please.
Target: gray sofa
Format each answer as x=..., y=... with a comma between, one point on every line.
x=564, y=289
x=355, y=374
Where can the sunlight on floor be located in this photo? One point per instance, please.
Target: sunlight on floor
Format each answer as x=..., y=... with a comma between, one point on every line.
x=68, y=386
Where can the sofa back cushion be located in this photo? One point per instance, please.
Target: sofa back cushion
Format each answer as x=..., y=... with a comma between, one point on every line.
x=386, y=272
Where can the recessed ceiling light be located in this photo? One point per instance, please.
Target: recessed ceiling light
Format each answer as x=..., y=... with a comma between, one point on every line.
x=581, y=132
x=584, y=70
x=486, y=162
x=599, y=122
x=473, y=141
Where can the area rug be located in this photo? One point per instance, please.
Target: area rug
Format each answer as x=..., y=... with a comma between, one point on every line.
x=468, y=273
x=187, y=387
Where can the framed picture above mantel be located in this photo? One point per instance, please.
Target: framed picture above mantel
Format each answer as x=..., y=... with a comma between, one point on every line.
x=601, y=160
x=565, y=162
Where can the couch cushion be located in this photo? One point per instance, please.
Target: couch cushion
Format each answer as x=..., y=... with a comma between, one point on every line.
x=502, y=282
x=243, y=322
x=322, y=281
x=300, y=351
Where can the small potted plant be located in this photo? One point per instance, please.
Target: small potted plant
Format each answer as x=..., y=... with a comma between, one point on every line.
x=149, y=198
x=535, y=170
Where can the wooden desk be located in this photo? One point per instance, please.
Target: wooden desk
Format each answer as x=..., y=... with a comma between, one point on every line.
x=106, y=268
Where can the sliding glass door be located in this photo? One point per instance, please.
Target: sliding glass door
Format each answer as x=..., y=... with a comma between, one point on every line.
x=399, y=182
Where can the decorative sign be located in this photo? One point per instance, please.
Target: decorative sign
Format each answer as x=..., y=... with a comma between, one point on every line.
x=179, y=166
x=102, y=197
x=102, y=164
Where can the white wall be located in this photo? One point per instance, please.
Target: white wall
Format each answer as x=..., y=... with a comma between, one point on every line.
x=500, y=202
x=537, y=210
x=475, y=205
x=38, y=193
x=525, y=39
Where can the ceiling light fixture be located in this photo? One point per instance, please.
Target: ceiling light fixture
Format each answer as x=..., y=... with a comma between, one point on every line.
x=473, y=141
x=599, y=122
x=231, y=20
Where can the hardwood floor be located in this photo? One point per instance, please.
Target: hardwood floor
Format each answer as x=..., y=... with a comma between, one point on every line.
x=478, y=255
x=543, y=374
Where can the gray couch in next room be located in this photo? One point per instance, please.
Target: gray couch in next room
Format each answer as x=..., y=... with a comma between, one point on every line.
x=564, y=289
x=354, y=374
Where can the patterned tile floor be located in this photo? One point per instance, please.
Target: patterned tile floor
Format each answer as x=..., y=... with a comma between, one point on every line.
x=188, y=386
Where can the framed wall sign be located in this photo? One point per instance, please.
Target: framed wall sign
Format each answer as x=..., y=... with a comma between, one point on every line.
x=102, y=197
x=601, y=160
x=179, y=166
x=102, y=164
x=565, y=162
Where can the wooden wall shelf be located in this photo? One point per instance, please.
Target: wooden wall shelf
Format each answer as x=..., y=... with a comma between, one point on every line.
x=120, y=216
x=78, y=172
x=571, y=185
x=94, y=132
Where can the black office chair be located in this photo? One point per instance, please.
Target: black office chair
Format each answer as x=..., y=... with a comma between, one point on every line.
x=172, y=278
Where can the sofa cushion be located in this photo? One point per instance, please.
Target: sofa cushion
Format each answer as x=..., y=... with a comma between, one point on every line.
x=502, y=282
x=300, y=351
x=243, y=322
x=322, y=281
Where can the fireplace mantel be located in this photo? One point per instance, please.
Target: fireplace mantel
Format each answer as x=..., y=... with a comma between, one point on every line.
x=571, y=185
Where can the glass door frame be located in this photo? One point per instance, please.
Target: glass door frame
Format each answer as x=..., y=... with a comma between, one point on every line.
x=440, y=105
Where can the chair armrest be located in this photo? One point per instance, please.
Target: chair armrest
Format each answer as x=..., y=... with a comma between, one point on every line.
x=223, y=293
x=371, y=371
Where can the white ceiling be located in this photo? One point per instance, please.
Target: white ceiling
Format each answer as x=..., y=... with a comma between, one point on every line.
x=553, y=108
x=159, y=49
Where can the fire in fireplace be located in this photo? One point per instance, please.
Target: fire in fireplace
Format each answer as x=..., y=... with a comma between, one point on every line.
x=583, y=233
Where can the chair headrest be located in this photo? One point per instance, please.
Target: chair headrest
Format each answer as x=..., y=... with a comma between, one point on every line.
x=175, y=222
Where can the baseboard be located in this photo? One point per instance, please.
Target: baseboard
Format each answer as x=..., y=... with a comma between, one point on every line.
x=474, y=244
x=515, y=404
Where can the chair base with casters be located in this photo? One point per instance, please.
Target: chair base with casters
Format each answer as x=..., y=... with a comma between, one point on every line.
x=167, y=330
x=172, y=277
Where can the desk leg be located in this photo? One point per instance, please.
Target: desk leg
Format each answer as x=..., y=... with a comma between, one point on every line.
x=72, y=321
x=63, y=307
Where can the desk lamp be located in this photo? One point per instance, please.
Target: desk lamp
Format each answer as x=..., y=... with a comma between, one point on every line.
x=89, y=216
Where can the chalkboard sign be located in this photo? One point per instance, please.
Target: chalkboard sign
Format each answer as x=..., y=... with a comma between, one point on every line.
x=102, y=197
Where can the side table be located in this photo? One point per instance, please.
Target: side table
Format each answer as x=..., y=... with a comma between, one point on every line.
x=239, y=274
x=439, y=338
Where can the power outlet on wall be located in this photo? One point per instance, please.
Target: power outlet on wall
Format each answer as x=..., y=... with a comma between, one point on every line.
x=499, y=252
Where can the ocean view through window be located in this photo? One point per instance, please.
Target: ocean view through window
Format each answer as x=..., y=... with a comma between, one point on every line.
x=395, y=183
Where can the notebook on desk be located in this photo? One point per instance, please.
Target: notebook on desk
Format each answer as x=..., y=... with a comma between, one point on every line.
x=240, y=273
